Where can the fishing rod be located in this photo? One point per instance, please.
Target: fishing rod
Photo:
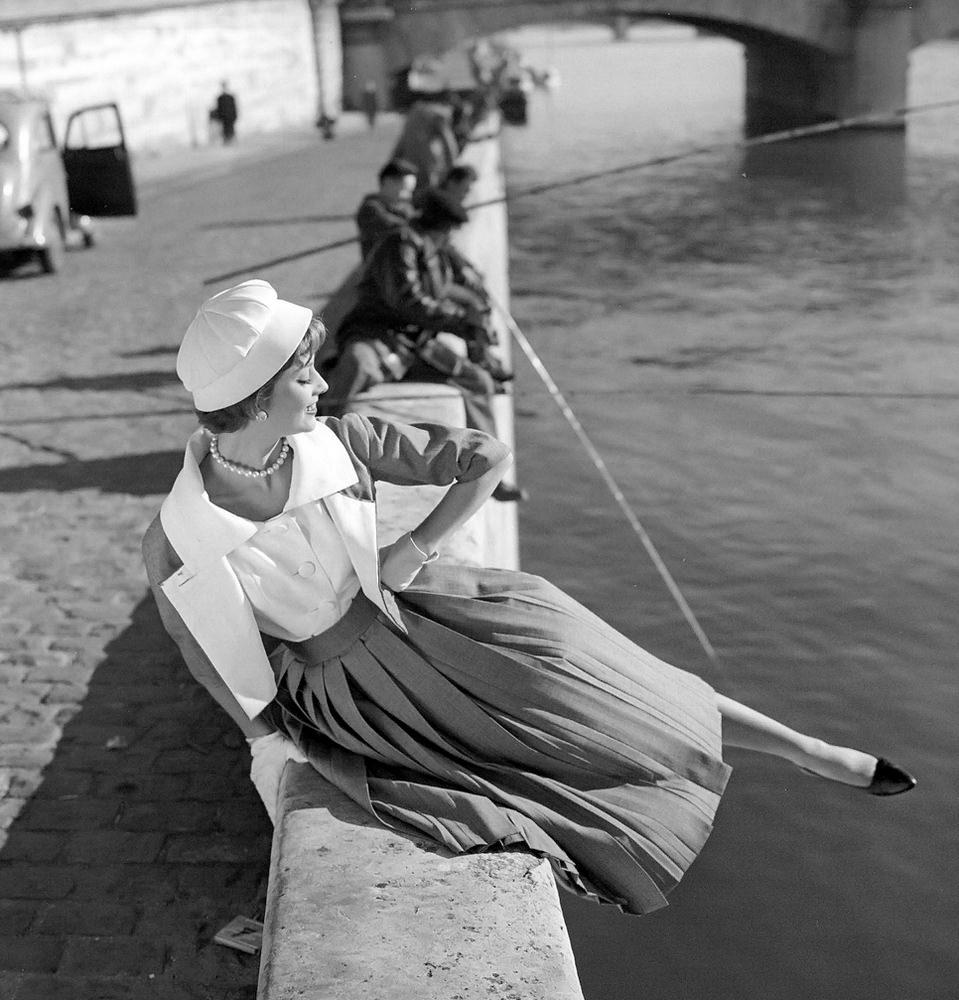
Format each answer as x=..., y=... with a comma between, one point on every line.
x=614, y=488
x=768, y=138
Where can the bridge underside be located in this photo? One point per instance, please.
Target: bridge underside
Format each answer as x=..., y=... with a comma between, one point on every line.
x=438, y=25
x=803, y=66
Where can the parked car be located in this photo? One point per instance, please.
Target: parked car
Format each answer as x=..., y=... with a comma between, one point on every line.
x=49, y=195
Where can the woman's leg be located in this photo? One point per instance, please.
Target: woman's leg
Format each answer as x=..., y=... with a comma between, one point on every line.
x=751, y=730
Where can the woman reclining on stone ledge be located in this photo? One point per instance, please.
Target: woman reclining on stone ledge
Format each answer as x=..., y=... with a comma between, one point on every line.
x=479, y=707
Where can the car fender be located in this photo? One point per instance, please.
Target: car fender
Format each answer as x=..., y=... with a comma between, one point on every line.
x=44, y=203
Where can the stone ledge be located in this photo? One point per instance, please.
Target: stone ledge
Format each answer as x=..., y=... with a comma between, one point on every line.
x=356, y=912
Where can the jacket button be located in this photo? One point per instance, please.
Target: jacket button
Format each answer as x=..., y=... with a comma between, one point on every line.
x=306, y=569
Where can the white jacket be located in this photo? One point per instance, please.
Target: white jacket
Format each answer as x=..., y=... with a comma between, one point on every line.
x=206, y=592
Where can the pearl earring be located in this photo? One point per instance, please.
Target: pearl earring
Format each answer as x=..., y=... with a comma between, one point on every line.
x=262, y=415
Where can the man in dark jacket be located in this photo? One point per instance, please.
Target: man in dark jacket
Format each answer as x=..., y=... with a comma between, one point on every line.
x=388, y=208
x=469, y=286
x=404, y=301
x=227, y=113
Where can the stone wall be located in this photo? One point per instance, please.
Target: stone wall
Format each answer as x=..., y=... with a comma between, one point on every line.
x=164, y=65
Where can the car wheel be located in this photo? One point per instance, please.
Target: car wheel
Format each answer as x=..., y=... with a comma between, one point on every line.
x=51, y=256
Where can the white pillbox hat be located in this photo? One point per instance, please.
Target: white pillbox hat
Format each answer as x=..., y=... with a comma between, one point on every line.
x=238, y=340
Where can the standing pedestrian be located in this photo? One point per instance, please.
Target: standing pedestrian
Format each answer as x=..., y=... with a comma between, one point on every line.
x=371, y=102
x=227, y=113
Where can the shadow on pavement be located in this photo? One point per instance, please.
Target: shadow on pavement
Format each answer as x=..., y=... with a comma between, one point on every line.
x=102, y=383
x=138, y=475
x=150, y=352
x=144, y=838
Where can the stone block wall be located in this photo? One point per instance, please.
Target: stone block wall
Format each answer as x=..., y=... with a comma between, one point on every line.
x=163, y=66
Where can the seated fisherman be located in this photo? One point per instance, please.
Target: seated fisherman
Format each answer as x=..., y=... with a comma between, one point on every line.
x=403, y=302
x=388, y=208
x=458, y=182
x=469, y=288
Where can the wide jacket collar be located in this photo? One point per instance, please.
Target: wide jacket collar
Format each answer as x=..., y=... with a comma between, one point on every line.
x=206, y=592
x=202, y=533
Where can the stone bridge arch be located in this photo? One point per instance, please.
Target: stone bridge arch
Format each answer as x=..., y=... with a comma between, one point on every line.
x=807, y=61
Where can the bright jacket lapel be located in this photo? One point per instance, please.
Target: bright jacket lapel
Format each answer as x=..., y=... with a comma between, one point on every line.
x=206, y=592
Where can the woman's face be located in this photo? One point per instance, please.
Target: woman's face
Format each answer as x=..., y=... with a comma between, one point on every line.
x=292, y=407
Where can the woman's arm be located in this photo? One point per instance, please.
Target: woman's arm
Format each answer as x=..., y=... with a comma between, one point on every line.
x=460, y=502
x=468, y=462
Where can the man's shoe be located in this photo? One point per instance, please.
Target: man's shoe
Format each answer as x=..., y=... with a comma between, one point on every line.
x=507, y=492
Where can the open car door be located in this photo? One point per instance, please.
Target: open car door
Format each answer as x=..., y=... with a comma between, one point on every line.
x=97, y=164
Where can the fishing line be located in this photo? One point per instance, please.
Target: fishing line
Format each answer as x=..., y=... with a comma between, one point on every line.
x=766, y=139
x=413, y=395
x=601, y=467
x=769, y=138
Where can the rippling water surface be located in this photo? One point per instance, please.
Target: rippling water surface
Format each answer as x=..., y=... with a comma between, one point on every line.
x=766, y=352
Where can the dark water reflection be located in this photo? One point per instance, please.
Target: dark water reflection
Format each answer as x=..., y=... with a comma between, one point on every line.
x=862, y=169
x=764, y=348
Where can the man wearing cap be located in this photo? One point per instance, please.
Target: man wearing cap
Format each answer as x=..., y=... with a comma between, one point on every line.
x=404, y=301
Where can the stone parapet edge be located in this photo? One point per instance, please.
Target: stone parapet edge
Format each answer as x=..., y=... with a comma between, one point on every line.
x=355, y=910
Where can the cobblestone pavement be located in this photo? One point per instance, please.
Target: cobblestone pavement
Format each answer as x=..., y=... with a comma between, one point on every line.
x=129, y=831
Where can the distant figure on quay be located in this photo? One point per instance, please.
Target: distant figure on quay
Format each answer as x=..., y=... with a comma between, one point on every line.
x=225, y=113
x=371, y=102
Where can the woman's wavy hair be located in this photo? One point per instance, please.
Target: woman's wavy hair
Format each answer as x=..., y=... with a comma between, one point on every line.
x=237, y=415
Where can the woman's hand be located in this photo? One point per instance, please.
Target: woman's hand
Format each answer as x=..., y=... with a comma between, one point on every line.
x=269, y=755
x=401, y=561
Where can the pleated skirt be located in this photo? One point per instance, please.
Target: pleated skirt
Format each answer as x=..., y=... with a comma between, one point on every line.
x=510, y=716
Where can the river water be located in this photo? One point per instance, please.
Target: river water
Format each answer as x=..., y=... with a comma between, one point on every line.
x=767, y=356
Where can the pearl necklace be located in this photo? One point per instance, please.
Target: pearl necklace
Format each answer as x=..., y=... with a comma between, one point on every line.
x=243, y=470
